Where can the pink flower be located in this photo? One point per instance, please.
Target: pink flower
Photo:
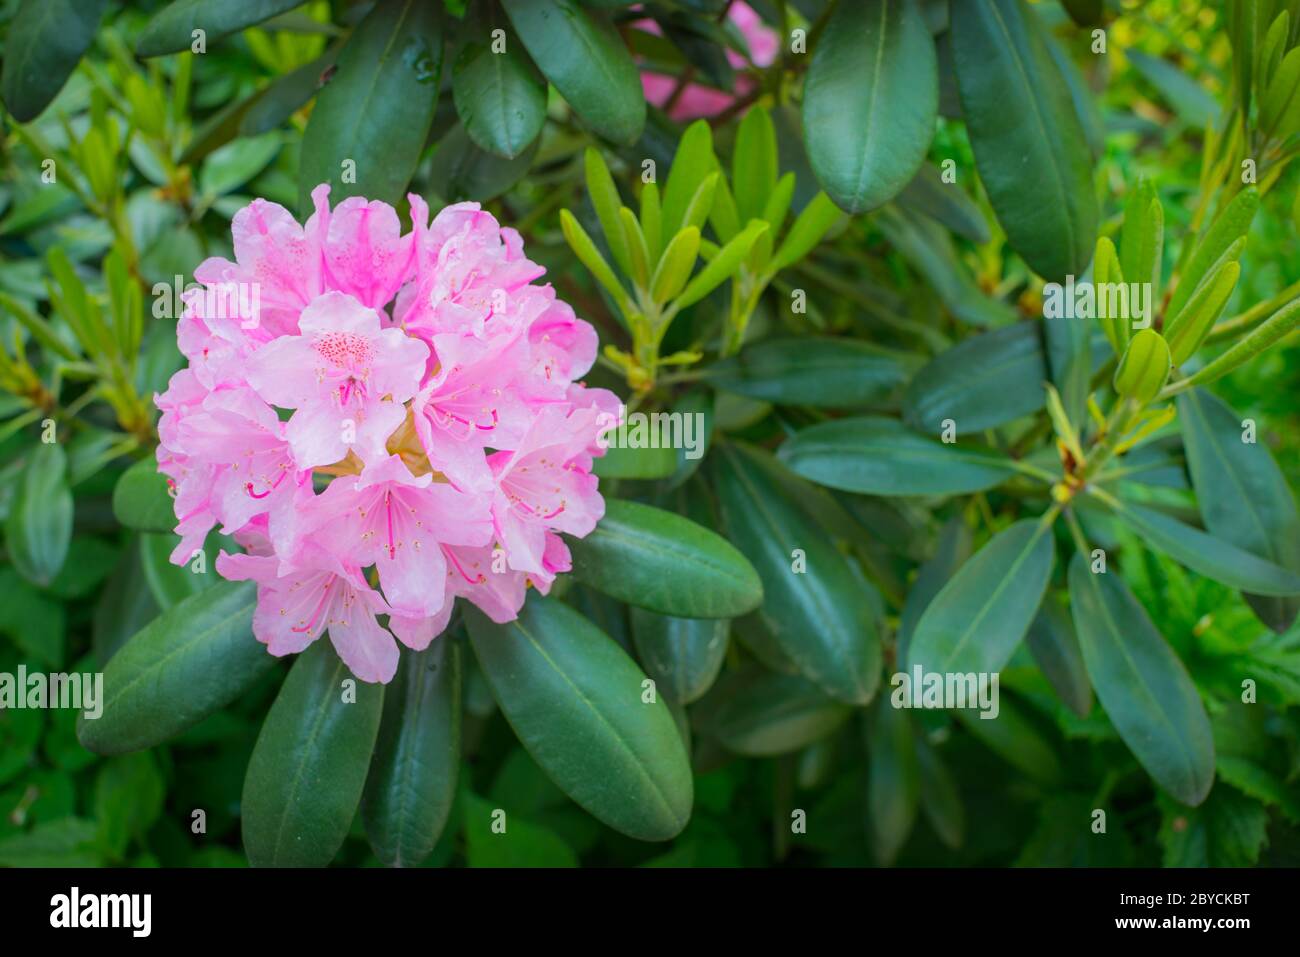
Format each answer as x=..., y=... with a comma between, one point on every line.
x=696, y=100
x=384, y=422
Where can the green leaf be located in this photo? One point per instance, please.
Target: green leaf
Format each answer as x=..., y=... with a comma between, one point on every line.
x=982, y=382
x=975, y=622
x=953, y=548
x=1187, y=330
x=813, y=222
x=584, y=57
x=307, y=770
x=1204, y=553
x=722, y=266
x=753, y=164
x=676, y=265
x=377, y=108
x=1144, y=367
x=462, y=171
x=1143, y=235
x=824, y=373
x=870, y=101
x=605, y=200
x=412, y=781
x=1228, y=830
x=286, y=94
x=33, y=620
x=940, y=798
x=1192, y=103
x=45, y=42
x=590, y=256
x=893, y=779
x=1280, y=324
x=189, y=662
x=38, y=528
x=1231, y=225
x=1055, y=647
x=1011, y=735
x=170, y=583
x=636, y=463
x=754, y=712
x=129, y=794
x=1144, y=688
x=141, y=500
x=665, y=563
x=945, y=203
x=1243, y=496
x=820, y=617
x=693, y=162
x=575, y=701
x=500, y=98
x=682, y=655
x=1029, y=144
x=65, y=842
x=172, y=30
x=878, y=456
x=521, y=844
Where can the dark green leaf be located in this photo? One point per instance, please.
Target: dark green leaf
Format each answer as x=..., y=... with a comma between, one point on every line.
x=665, y=563
x=46, y=40
x=940, y=799
x=38, y=528
x=499, y=96
x=1055, y=647
x=975, y=622
x=172, y=30
x=879, y=456
x=870, y=101
x=376, y=110
x=820, y=616
x=1142, y=685
x=757, y=713
x=1030, y=148
x=412, y=781
x=462, y=171
x=893, y=779
x=946, y=203
x=187, y=663
x=575, y=700
x=583, y=55
x=141, y=500
x=984, y=381
x=682, y=655
x=824, y=373
x=1243, y=496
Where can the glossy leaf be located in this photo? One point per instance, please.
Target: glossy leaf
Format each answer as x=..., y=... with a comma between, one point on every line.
x=879, y=456
x=574, y=699
x=38, y=528
x=45, y=42
x=305, y=776
x=172, y=30
x=1209, y=555
x=584, y=57
x=870, y=101
x=975, y=622
x=893, y=779
x=187, y=663
x=1019, y=116
x=682, y=655
x=757, y=713
x=141, y=500
x=412, y=780
x=940, y=798
x=821, y=618
x=984, y=381
x=1243, y=496
x=824, y=373
x=1142, y=685
x=1055, y=647
x=662, y=562
x=500, y=98
x=376, y=110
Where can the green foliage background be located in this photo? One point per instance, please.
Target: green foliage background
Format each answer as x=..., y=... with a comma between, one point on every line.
x=156, y=155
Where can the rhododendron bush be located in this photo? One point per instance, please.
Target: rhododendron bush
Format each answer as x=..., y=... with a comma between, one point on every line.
x=689, y=432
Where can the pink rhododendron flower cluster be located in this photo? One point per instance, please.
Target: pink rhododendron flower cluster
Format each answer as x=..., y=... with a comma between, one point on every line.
x=397, y=427
x=695, y=100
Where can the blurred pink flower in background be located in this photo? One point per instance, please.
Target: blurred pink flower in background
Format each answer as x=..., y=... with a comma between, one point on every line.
x=697, y=100
x=402, y=403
